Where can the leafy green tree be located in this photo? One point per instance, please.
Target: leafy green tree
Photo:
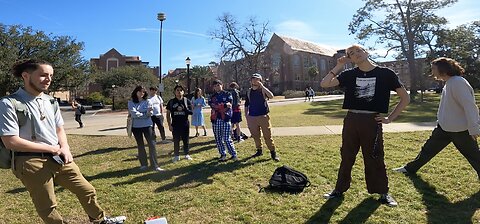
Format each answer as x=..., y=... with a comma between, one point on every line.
x=313, y=71
x=404, y=26
x=463, y=45
x=18, y=42
x=125, y=76
x=202, y=73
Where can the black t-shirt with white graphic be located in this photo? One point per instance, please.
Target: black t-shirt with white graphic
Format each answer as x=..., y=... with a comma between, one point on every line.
x=368, y=90
x=179, y=111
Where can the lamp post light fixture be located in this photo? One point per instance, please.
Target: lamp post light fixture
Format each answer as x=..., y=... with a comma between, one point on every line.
x=161, y=17
x=187, y=61
x=113, y=97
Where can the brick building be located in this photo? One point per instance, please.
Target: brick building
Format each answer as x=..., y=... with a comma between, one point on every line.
x=287, y=61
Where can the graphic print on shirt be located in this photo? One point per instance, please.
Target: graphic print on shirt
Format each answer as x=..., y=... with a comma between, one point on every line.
x=179, y=110
x=365, y=88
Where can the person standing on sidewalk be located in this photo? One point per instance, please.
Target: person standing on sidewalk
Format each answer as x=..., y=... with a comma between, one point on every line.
x=457, y=118
x=77, y=107
x=221, y=104
x=178, y=110
x=141, y=110
x=367, y=94
x=157, y=114
x=42, y=156
x=258, y=120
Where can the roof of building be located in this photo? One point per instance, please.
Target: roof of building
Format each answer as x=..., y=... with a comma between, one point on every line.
x=307, y=46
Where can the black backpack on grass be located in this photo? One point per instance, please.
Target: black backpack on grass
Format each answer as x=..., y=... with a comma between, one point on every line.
x=287, y=179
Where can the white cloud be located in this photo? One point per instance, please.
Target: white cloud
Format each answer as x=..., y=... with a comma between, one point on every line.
x=178, y=32
x=462, y=12
x=296, y=29
x=199, y=57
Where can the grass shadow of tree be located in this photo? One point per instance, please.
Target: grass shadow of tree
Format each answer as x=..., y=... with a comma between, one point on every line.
x=103, y=151
x=439, y=209
x=326, y=211
x=192, y=175
x=326, y=108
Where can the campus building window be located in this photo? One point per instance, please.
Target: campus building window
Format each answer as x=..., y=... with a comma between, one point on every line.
x=276, y=59
x=296, y=67
x=112, y=63
x=323, y=66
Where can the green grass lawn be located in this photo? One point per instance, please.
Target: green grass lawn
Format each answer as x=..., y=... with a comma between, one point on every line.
x=331, y=112
x=204, y=191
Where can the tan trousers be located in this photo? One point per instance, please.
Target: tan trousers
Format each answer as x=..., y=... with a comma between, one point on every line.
x=261, y=123
x=38, y=175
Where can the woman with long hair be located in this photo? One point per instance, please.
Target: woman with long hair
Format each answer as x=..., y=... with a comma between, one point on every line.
x=199, y=103
x=141, y=111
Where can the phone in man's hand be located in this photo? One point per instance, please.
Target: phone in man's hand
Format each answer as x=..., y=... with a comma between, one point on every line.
x=58, y=159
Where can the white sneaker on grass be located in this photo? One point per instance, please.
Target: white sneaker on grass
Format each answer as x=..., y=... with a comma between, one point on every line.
x=176, y=159
x=114, y=220
x=188, y=157
x=401, y=170
x=158, y=169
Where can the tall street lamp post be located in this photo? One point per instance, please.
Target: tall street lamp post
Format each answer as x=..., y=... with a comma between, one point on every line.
x=113, y=97
x=161, y=17
x=187, y=61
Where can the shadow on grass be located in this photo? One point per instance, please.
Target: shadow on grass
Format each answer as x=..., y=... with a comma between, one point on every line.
x=192, y=175
x=439, y=209
x=362, y=211
x=102, y=151
x=329, y=109
x=169, y=149
x=16, y=190
x=326, y=211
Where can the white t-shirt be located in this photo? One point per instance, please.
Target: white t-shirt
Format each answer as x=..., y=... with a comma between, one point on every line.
x=157, y=103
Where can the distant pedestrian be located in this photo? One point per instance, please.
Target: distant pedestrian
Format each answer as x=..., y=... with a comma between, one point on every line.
x=236, y=111
x=141, y=111
x=367, y=94
x=258, y=120
x=221, y=115
x=78, y=108
x=457, y=118
x=198, y=119
x=311, y=93
x=178, y=110
x=157, y=113
x=307, y=94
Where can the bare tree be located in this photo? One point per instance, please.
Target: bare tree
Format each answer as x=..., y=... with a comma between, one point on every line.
x=406, y=26
x=245, y=42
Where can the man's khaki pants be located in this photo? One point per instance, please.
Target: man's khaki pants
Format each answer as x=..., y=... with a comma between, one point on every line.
x=257, y=123
x=38, y=175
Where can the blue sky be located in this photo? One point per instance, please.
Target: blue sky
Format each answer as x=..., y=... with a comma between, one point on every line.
x=132, y=27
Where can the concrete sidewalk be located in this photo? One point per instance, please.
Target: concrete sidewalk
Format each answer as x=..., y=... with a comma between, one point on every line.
x=109, y=128
x=113, y=123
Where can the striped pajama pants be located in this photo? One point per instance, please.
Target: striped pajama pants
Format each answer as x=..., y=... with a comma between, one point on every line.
x=222, y=131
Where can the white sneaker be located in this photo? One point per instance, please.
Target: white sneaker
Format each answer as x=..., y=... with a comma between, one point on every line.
x=401, y=170
x=188, y=157
x=158, y=169
x=114, y=220
x=176, y=159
